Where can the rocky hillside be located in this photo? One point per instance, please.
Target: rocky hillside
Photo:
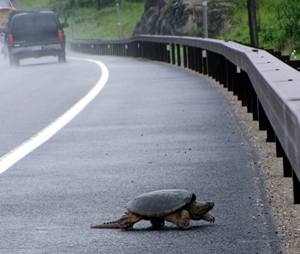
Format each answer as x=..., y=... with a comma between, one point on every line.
x=182, y=17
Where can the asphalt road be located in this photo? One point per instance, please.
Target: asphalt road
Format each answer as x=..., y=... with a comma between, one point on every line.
x=153, y=126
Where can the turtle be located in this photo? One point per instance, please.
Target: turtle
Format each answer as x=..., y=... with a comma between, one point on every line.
x=177, y=206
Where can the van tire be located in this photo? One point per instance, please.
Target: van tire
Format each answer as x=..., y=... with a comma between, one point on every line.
x=13, y=60
x=62, y=57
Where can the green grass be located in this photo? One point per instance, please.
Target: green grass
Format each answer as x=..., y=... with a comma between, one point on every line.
x=32, y=4
x=89, y=23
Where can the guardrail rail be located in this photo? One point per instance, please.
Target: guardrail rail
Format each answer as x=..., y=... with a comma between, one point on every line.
x=269, y=88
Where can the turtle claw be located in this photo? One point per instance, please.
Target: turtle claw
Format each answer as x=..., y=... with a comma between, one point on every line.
x=209, y=217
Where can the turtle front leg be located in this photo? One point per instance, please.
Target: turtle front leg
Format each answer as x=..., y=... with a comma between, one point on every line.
x=209, y=217
x=180, y=218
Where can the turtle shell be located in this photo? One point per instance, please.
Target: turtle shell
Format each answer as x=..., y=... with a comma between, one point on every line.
x=161, y=202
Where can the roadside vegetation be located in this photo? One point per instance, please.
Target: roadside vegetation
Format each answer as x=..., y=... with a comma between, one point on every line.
x=90, y=20
x=278, y=24
x=278, y=20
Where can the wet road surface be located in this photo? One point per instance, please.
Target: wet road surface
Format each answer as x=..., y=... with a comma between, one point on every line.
x=153, y=126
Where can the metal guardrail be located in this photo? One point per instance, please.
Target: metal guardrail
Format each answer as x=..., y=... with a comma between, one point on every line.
x=267, y=86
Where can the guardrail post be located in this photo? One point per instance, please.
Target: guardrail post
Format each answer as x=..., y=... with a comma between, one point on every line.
x=131, y=49
x=173, y=53
x=151, y=50
x=158, y=51
x=296, y=188
x=197, y=59
x=119, y=50
x=287, y=167
x=255, y=105
x=222, y=71
x=200, y=66
x=167, y=53
x=264, y=124
x=185, y=59
x=154, y=51
x=137, y=49
x=279, y=150
x=141, y=48
x=191, y=58
x=114, y=50
x=211, y=63
x=226, y=74
x=178, y=55
x=244, y=90
x=271, y=137
x=261, y=118
x=163, y=47
x=204, y=62
x=251, y=100
x=147, y=50
x=231, y=77
x=144, y=50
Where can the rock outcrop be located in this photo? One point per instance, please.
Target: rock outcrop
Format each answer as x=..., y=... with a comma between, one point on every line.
x=182, y=17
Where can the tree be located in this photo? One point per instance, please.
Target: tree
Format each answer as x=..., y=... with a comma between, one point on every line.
x=98, y=3
x=251, y=4
x=289, y=21
x=62, y=7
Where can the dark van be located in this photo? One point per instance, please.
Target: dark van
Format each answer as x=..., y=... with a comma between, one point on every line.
x=34, y=34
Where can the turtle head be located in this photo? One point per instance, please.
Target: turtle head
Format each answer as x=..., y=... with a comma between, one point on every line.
x=198, y=210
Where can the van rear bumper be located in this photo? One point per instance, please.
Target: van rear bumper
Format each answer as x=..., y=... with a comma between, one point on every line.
x=37, y=50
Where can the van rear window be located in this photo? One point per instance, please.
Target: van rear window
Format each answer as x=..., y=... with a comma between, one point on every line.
x=27, y=23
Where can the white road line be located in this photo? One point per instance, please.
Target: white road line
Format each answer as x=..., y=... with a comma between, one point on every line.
x=12, y=157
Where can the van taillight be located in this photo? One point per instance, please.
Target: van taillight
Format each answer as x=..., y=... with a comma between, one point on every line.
x=60, y=35
x=10, y=39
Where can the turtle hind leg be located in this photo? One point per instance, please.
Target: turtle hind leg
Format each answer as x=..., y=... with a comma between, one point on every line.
x=157, y=223
x=180, y=218
x=128, y=220
x=125, y=222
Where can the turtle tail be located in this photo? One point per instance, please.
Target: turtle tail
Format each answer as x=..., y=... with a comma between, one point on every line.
x=111, y=224
x=125, y=222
